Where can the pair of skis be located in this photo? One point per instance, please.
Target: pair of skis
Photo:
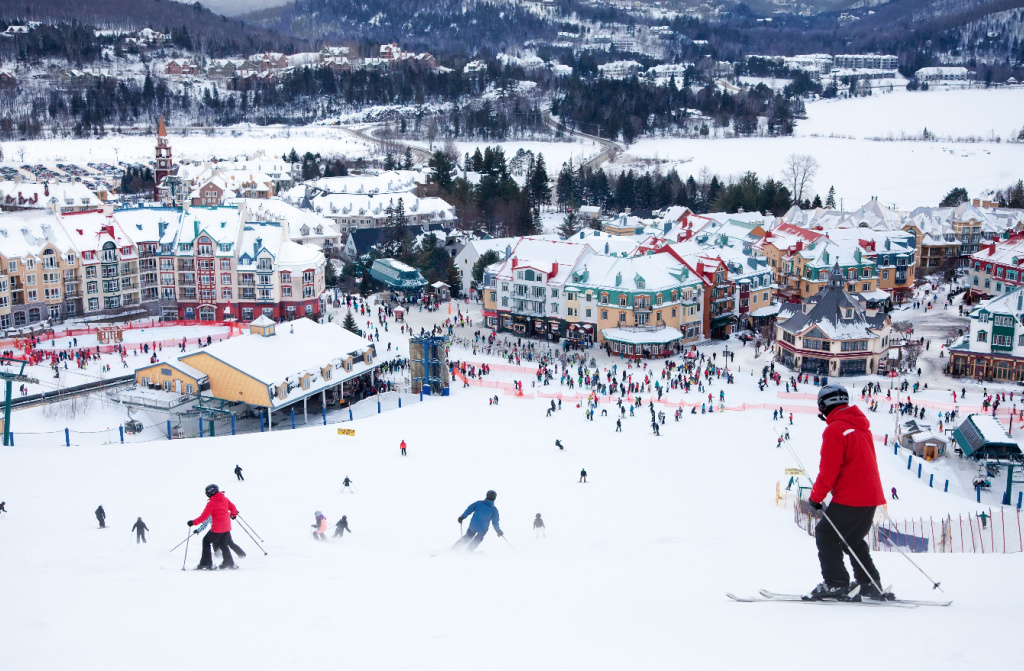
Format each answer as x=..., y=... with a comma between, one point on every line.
x=767, y=596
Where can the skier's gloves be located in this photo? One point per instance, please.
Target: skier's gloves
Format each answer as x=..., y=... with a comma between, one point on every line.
x=189, y=522
x=817, y=505
x=460, y=519
x=234, y=516
x=501, y=534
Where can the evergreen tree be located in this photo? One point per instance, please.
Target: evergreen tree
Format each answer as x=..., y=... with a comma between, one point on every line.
x=389, y=161
x=537, y=183
x=570, y=225
x=816, y=203
x=349, y=324
x=407, y=163
x=830, y=199
x=444, y=170
x=330, y=275
x=955, y=197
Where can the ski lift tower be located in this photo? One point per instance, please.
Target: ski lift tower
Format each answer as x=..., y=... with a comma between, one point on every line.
x=428, y=364
x=10, y=378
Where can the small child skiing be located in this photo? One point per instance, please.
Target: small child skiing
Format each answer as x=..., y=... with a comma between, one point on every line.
x=140, y=530
x=346, y=484
x=894, y=496
x=238, y=472
x=101, y=515
x=3, y=508
x=341, y=527
x=538, y=527
x=583, y=475
x=320, y=527
x=403, y=448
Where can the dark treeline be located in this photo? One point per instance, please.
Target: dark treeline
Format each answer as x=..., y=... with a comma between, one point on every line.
x=581, y=185
x=191, y=25
x=437, y=26
x=496, y=203
x=631, y=107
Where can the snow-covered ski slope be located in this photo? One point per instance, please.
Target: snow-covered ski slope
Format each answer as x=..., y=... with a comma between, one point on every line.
x=632, y=574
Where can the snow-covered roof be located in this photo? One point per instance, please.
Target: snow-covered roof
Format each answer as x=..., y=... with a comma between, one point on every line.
x=546, y=256
x=298, y=347
x=39, y=195
x=27, y=232
x=991, y=430
x=642, y=336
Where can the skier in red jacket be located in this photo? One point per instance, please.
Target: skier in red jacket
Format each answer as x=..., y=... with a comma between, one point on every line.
x=849, y=470
x=221, y=511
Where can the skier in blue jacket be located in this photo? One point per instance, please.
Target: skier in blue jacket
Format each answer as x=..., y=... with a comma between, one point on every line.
x=484, y=513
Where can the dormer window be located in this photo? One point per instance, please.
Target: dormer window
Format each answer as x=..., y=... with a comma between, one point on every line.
x=849, y=313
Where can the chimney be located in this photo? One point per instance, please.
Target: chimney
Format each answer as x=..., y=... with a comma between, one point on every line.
x=508, y=251
x=606, y=248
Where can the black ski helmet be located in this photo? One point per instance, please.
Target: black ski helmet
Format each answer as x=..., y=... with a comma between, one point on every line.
x=211, y=490
x=538, y=514
x=491, y=495
x=831, y=396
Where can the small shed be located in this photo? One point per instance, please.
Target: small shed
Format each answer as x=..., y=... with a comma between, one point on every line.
x=982, y=436
x=400, y=314
x=109, y=335
x=922, y=440
x=441, y=291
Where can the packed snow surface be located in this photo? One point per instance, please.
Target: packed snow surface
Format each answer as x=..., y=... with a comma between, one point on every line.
x=632, y=573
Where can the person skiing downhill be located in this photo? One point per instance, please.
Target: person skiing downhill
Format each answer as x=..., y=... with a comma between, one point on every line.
x=538, y=527
x=320, y=527
x=3, y=505
x=583, y=475
x=140, y=530
x=347, y=483
x=484, y=513
x=101, y=515
x=403, y=446
x=222, y=511
x=849, y=470
x=341, y=527
x=238, y=472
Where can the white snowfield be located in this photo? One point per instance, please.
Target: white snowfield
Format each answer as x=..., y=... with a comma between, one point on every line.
x=632, y=574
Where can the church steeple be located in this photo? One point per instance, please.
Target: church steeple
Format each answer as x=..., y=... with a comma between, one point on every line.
x=163, y=158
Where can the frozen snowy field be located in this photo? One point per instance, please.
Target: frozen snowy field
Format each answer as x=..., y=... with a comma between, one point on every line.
x=632, y=574
x=908, y=174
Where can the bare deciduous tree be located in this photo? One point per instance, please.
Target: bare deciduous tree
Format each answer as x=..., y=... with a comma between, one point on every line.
x=799, y=173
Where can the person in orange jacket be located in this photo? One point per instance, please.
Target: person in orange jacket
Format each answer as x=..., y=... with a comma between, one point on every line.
x=320, y=527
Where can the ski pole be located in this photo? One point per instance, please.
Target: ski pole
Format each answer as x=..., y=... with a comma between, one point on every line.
x=253, y=539
x=181, y=543
x=935, y=585
x=849, y=549
x=185, y=559
x=509, y=543
x=250, y=528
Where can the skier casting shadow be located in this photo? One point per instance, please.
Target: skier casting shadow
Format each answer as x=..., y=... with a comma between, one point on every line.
x=484, y=514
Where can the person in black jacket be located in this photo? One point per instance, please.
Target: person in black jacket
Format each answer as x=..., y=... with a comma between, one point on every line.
x=341, y=527
x=538, y=527
x=102, y=517
x=238, y=472
x=2, y=508
x=140, y=530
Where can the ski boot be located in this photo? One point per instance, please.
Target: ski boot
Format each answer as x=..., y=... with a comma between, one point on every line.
x=826, y=591
x=866, y=591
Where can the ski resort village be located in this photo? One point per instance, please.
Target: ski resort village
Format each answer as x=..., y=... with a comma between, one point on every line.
x=557, y=335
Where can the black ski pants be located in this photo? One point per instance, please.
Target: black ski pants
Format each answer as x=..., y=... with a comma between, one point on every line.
x=222, y=543
x=854, y=523
x=140, y=536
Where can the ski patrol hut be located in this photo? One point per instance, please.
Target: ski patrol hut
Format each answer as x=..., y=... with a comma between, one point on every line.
x=441, y=291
